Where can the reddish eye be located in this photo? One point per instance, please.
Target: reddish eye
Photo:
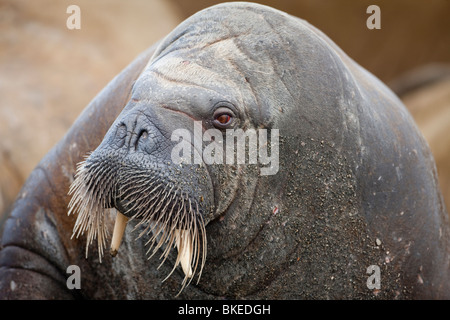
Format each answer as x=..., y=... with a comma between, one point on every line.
x=224, y=118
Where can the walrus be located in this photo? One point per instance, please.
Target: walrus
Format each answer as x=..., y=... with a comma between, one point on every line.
x=352, y=186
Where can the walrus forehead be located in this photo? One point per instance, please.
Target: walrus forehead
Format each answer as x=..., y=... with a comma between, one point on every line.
x=179, y=83
x=188, y=70
x=218, y=72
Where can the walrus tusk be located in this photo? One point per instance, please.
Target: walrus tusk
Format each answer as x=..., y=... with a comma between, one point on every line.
x=184, y=246
x=119, y=230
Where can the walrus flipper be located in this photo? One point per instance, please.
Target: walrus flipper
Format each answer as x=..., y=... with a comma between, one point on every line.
x=33, y=269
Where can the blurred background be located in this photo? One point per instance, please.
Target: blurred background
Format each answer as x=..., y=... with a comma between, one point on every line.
x=49, y=73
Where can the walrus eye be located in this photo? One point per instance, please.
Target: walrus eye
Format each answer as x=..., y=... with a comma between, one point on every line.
x=223, y=118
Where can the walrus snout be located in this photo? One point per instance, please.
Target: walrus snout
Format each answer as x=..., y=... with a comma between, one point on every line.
x=131, y=173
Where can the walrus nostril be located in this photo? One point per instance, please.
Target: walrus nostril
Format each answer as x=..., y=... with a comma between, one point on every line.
x=142, y=137
x=131, y=135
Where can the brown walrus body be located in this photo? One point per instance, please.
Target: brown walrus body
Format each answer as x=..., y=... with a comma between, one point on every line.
x=355, y=185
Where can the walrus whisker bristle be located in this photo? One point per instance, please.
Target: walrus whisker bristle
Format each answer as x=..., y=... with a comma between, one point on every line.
x=167, y=214
x=144, y=204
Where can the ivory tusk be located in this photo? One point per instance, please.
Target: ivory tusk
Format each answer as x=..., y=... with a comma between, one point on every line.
x=119, y=230
x=184, y=246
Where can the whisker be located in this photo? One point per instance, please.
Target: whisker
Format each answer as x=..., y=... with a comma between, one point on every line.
x=169, y=216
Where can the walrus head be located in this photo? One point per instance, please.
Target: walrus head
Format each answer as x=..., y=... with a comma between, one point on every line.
x=190, y=85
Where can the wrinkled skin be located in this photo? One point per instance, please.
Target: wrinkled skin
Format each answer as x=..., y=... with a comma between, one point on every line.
x=356, y=184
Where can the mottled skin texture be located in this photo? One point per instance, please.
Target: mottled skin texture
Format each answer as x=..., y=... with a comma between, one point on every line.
x=356, y=184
